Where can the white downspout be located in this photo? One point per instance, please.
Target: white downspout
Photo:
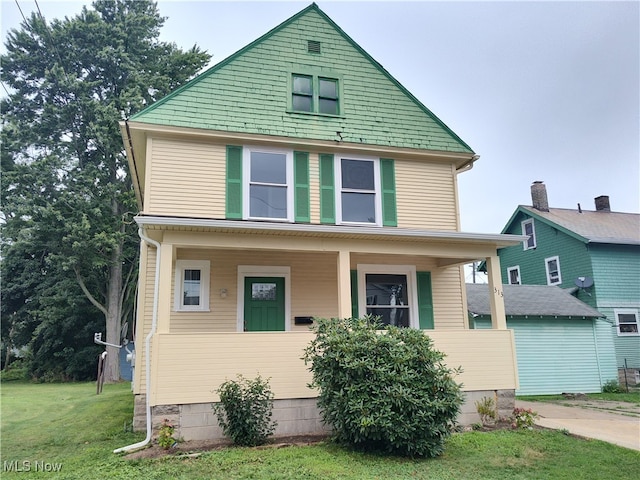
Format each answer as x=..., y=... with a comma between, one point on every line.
x=147, y=347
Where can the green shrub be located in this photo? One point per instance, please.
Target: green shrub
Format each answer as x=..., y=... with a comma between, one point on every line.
x=165, y=435
x=245, y=410
x=486, y=408
x=15, y=371
x=612, y=386
x=383, y=391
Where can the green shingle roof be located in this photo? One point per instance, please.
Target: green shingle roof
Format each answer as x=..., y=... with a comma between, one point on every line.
x=248, y=93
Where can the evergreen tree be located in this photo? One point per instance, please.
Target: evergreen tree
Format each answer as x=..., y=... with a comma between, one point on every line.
x=70, y=248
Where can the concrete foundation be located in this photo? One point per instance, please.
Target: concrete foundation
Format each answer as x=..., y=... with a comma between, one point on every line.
x=299, y=416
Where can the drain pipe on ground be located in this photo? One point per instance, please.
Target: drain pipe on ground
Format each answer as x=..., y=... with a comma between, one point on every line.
x=147, y=347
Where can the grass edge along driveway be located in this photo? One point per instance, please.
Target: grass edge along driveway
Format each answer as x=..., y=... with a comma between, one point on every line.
x=70, y=430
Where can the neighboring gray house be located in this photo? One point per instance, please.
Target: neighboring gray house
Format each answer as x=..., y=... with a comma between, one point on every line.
x=562, y=344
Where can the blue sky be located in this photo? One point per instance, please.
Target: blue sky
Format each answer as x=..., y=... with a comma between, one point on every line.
x=540, y=90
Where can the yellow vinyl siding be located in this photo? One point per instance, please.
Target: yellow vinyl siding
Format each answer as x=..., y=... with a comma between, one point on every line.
x=448, y=306
x=145, y=312
x=186, y=179
x=313, y=279
x=425, y=195
x=192, y=366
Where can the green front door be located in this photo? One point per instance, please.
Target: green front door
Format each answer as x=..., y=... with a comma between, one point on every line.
x=263, y=304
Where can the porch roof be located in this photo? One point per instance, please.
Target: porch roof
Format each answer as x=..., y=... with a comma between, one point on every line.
x=154, y=222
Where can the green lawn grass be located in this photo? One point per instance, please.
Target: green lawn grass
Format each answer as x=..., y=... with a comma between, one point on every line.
x=631, y=397
x=70, y=425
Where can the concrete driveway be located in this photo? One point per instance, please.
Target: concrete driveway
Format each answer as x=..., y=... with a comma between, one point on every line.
x=605, y=421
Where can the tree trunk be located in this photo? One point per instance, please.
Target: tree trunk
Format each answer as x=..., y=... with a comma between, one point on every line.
x=113, y=317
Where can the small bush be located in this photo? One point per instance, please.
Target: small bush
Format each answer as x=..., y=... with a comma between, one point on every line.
x=523, y=418
x=383, y=391
x=245, y=410
x=15, y=371
x=165, y=435
x=612, y=386
x=486, y=408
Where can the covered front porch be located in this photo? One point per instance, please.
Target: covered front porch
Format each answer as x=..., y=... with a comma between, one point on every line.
x=205, y=328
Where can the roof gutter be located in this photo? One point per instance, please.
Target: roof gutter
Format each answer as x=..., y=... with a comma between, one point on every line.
x=468, y=165
x=147, y=348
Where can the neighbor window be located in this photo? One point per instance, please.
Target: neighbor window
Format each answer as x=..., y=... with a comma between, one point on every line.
x=627, y=321
x=514, y=275
x=315, y=94
x=192, y=285
x=529, y=230
x=359, y=190
x=268, y=176
x=552, y=266
x=388, y=292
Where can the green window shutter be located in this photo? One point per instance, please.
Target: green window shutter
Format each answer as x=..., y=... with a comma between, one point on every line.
x=387, y=173
x=234, y=182
x=354, y=293
x=425, y=300
x=301, y=187
x=327, y=197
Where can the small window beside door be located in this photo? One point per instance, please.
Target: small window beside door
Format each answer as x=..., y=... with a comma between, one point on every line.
x=192, y=285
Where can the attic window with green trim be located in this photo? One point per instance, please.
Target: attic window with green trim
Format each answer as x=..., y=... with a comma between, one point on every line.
x=315, y=94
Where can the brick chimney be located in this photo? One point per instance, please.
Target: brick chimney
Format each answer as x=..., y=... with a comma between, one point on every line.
x=602, y=203
x=539, y=196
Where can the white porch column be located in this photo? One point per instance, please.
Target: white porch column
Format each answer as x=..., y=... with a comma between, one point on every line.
x=344, y=284
x=167, y=254
x=496, y=295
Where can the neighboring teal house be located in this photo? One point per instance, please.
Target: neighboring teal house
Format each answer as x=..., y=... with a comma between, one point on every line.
x=595, y=254
x=562, y=344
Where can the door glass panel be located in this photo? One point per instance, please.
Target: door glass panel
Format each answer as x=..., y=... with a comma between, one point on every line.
x=263, y=291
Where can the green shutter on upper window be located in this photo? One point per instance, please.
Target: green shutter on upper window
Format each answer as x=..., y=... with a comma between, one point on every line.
x=354, y=293
x=327, y=196
x=425, y=300
x=387, y=173
x=301, y=188
x=234, y=182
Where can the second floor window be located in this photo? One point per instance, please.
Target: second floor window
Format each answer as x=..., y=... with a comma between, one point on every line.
x=269, y=180
x=529, y=230
x=359, y=192
x=315, y=94
x=552, y=266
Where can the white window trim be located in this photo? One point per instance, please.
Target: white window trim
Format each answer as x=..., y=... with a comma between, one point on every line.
x=412, y=287
x=546, y=267
x=377, y=184
x=205, y=273
x=246, y=183
x=511, y=269
x=627, y=311
x=263, y=271
x=525, y=244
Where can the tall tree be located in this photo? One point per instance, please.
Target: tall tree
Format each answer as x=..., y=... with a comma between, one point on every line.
x=67, y=196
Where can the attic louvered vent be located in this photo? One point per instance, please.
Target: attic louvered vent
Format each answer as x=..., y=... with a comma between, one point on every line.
x=313, y=46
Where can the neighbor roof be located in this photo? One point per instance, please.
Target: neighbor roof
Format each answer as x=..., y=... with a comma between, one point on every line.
x=591, y=226
x=531, y=300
